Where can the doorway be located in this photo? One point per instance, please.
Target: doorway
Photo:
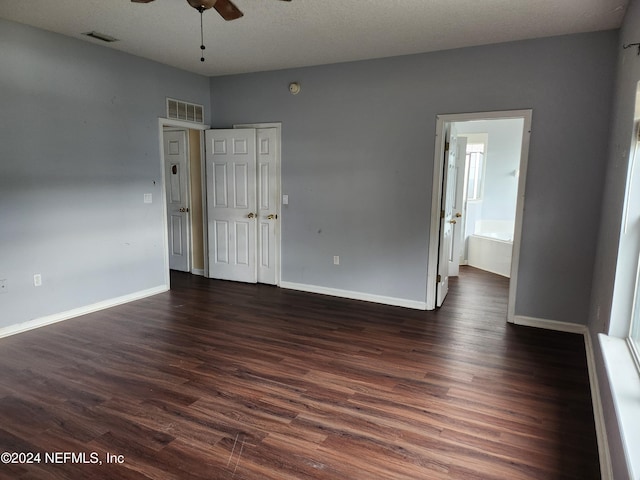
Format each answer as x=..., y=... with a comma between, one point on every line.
x=460, y=195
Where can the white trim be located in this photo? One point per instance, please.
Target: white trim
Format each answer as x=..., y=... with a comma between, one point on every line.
x=550, y=324
x=170, y=122
x=76, y=312
x=624, y=384
x=367, y=297
x=436, y=198
x=162, y=123
x=198, y=271
x=517, y=229
x=203, y=197
x=606, y=469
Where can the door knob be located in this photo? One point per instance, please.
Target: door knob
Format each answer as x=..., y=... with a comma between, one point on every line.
x=272, y=216
x=458, y=215
x=453, y=222
x=251, y=215
x=184, y=210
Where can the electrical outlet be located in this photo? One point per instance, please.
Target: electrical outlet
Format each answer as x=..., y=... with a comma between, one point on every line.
x=148, y=198
x=3, y=285
x=37, y=280
x=336, y=260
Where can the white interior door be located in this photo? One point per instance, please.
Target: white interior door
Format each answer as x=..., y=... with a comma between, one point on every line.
x=231, y=204
x=446, y=217
x=458, y=207
x=177, y=196
x=267, y=203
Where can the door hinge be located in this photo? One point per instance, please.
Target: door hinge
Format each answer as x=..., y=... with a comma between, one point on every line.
x=446, y=146
x=441, y=214
x=439, y=278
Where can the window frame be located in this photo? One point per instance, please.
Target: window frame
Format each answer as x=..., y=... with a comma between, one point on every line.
x=475, y=139
x=633, y=335
x=479, y=158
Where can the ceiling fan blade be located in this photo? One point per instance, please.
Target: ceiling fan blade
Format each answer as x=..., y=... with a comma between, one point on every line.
x=141, y=1
x=228, y=10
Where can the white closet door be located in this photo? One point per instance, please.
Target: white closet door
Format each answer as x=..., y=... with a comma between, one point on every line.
x=231, y=204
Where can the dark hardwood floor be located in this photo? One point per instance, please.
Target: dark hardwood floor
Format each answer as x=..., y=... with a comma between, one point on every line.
x=219, y=380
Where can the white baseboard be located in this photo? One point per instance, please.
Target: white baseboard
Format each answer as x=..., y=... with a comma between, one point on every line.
x=76, y=312
x=606, y=471
x=550, y=324
x=367, y=297
x=198, y=271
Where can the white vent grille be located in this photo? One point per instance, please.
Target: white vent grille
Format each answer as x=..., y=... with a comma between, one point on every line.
x=189, y=112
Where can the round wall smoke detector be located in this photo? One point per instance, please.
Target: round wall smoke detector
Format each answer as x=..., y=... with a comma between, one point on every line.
x=294, y=88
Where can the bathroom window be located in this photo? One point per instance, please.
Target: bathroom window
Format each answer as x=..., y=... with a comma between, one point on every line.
x=474, y=170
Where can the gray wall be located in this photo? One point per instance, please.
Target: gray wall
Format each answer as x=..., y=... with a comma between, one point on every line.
x=79, y=135
x=357, y=161
x=617, y=252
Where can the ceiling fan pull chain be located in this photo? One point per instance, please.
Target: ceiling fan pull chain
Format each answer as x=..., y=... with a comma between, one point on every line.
x=201, y=35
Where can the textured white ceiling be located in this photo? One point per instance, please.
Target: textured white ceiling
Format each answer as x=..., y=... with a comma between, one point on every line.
x=274, y=35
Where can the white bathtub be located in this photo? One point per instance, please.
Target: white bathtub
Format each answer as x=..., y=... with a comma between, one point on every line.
x=491, y=251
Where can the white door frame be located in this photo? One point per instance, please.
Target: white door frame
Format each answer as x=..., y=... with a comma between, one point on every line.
x=162, y=123
x=278, y=127
x=436, y=198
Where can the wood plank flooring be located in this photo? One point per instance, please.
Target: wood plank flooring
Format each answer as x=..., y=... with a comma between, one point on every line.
x=219, y=380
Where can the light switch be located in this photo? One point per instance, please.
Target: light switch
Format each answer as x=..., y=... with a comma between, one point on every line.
x=285, y=199
x=148, y=198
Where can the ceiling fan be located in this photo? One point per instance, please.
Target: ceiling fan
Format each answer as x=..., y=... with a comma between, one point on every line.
x=225, y=8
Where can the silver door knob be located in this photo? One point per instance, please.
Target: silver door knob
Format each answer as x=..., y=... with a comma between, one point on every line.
x=251, y=215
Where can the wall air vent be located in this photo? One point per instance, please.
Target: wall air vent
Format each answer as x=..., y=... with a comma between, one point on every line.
x=179, y=110
x=101, y=36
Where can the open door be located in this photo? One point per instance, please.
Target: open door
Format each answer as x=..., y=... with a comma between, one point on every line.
x=458, y=208
x=447, y=219
x=231, y=204
x=177, y=195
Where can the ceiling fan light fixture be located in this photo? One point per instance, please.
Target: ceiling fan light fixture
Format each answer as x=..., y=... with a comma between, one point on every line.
x=202, y=4
x=225, y=8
